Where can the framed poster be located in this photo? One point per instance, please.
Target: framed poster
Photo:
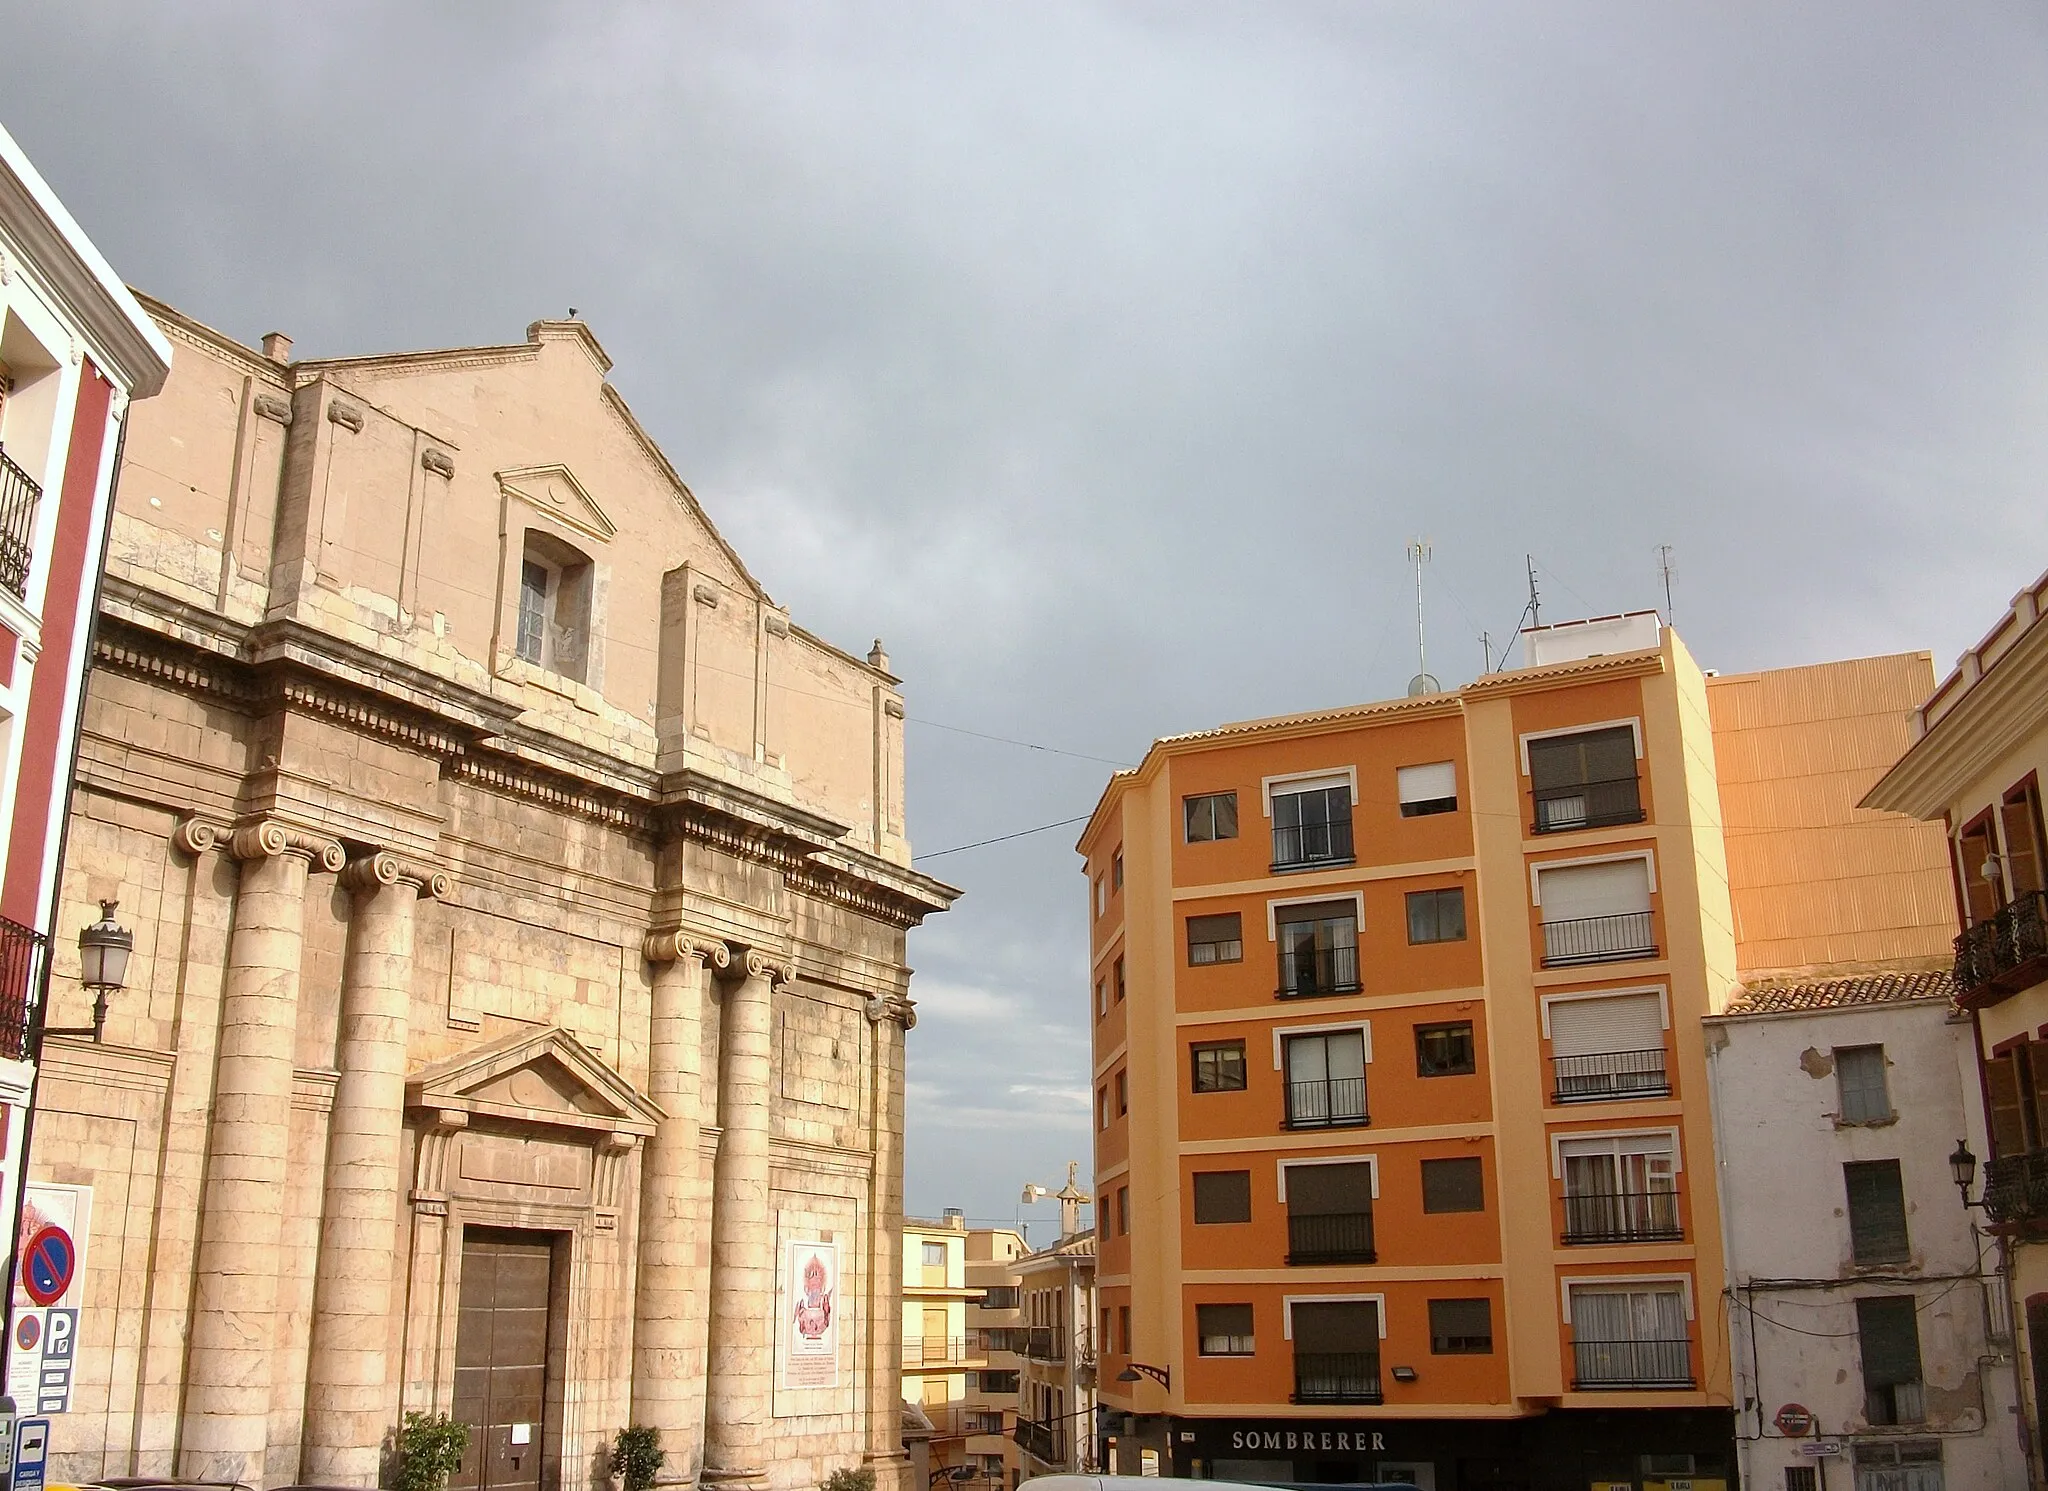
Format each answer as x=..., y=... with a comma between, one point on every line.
x=810, y=1326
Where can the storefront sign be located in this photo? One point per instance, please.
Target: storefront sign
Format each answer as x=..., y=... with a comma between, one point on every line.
x=810, y=1336
x=1348, y=1441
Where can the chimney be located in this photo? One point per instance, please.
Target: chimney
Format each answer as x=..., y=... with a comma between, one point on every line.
x=956, y=1219
x=878, y=658
x=277, y=346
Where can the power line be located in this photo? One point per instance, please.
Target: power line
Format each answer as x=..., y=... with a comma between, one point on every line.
x=1003, y=838
x=1027, y=745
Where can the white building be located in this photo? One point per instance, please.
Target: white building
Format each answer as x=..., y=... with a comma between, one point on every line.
x=1859, y=1288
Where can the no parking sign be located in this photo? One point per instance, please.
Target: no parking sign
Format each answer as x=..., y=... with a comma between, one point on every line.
x=49, y=1296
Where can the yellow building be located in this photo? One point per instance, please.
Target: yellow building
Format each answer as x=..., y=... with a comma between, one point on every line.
x=1404, y=1154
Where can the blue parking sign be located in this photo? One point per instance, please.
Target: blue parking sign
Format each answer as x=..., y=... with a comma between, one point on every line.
x=31, y=1453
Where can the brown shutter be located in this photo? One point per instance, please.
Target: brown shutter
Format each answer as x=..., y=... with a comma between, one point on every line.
x=2002, y=1085
x=1973, y=848
x=2021, y=816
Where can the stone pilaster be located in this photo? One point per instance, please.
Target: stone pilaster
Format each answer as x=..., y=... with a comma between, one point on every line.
x=349, y=1397
x=227, y=1392
x=891, y=1018
x=670, y=1317
x=737, y=1407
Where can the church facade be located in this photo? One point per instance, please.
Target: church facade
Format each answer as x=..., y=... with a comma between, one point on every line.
x=515, y=1028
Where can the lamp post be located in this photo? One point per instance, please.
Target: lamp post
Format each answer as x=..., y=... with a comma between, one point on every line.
x=1138, y=1371
x=1962, y=1165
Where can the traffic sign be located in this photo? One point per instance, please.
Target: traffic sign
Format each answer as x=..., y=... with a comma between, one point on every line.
x=50, y=1262
x=31, y=1453
x=1794, y=1421
x=1819, y=1447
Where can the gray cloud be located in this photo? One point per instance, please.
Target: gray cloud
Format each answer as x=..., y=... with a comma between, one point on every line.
x=1103, y=358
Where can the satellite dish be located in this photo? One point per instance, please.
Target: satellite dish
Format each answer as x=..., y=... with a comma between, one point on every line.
x=1423, y=683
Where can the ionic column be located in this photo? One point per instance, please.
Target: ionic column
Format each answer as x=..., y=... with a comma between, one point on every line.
x=227, y=1394
x=736, y=1406
x=348, y=1398
x=669, y=1312
x=892, y=1017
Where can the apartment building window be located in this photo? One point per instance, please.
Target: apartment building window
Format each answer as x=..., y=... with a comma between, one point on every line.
x=1461, y=1327
x=999, y=1382
x=1101, y=896
x=1222, y=1196
x=1586, y=779
x=1896, y=1464
x=1101, y=997
x=1123, y=1328
x=1606, y=1048
x=1325, y=1079
x=1596, y=913
x=1116, y=870
x=1859, y=1072
x=934, y=1255
x=1888, y=1335
x=1336, y=1351
x=1000, y=1297
x=1215, y=939
x=1218, y=1066
x=1123, y=1211
x=1123, y=1093
x=1108, y=1340
x=1630, y=1337
x=1436, y=915
x=1311, y=823
x=1444, y=1050
x=1802, y=1478
x=1877, y=1212
x=1453, y=1185
x=555, y=586
x=1424, y=790
x=1210, y=816
x=1318, y=948
x=1116, y=979
x=1224, y=1330
x=1329, y=1214
x=1102, y=1107
x=1620, y=1189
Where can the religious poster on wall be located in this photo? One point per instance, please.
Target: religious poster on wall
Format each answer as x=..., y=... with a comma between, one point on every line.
x=810, y=1329
x=49, y=1291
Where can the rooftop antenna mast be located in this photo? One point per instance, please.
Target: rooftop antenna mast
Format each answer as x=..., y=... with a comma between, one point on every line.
x=1664, y=564
x=1422, y=683
x=1535, y=611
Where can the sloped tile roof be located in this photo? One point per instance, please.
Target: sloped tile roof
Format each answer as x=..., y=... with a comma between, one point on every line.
x=1838, y=993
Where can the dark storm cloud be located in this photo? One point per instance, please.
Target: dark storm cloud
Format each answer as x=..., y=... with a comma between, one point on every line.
x=1103, y=358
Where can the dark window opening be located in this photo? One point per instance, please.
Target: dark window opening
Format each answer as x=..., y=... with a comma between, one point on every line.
x=1222, y=1197
x=1585, y=780
x=1444, y=1050
x=1453, y=1185
x=1218, y=1066
x=1311, y=827
x=1461, y=1327
x=1211, y=816
x=1436, y=915
x=1877, y=1212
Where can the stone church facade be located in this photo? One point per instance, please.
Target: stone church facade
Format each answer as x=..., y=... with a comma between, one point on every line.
x=516, y=1022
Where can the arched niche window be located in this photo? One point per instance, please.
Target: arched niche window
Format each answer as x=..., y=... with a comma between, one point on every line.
x=554, y=606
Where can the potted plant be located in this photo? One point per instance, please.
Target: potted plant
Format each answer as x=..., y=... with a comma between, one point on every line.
x=637, y=1457
x=430, y=1447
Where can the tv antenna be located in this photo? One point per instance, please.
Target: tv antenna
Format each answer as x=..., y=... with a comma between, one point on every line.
x=1422, y=683
x=1664, y=564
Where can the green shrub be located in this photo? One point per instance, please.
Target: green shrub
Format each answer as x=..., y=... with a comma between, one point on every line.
x=637, y=1457
x=430, y=1447
x=850, y=1480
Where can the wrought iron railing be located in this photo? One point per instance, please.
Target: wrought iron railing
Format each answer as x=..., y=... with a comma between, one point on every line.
x=1045, y=1343
x=2016, y=1187
x=942, y=1351
x=1332, y=1237
x=22, y=951
x=1598, y=939
x=1588, y=805
x=1045, y=1442
x=1608, y=1074
x=1621, y=1216
x=19, y=498
x=1997, y=949
x=1599, y=1364
x=1325, y=1103
x=1337, y=1377
x=1312, y=844
x=1321, y=970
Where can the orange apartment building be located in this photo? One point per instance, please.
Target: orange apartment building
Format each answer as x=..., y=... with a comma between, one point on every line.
x=1404, y=1154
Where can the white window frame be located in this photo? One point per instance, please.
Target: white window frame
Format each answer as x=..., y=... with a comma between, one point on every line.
x=1557, y=1143
x=1282, y=1032
x=1273, y=908
x=1371, y=1160
x=1624, y=1281
x=1289, y=1301
x=1662, y=992
x=1634, y=723
x=1537, y=867
x=1308, y=781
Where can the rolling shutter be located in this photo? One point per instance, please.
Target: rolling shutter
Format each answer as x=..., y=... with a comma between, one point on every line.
x=1574, y=892
x=1594, y=1027
x=1435, y=782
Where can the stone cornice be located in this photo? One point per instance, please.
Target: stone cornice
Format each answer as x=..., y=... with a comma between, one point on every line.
x=2001, y=709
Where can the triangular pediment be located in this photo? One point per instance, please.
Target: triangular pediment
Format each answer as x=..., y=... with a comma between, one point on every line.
x=546, y=1077
x=554, y=490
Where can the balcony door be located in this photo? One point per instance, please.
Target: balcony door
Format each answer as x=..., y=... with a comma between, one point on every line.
x=1630, y=1338
x=1620, y=1190
x=1326, y=1079
x=1608, y=1048
x=1585, y=779
x=1595, y=913
x=1329, y=1214
x=1336, y=1351
x=1319, y=948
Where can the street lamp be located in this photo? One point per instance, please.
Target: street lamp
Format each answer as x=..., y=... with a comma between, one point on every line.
x=1963, y=1166
x=1138, y=1371
x=103, y=951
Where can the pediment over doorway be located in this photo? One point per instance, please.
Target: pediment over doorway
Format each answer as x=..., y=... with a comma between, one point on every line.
x=546, y=1077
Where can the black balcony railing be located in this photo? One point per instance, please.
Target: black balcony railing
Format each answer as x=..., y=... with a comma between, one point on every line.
x=22, y=951
x=2007, y=951
x=1610, y=1364
x=1621, y=1216
x=1588, y=805
x=1045, y=1343
x=1306, y=972
x=1044, y=1442
x=1598, y=939
x=1608, y=1074
x=19, y=498
x=2016, y=1187
x=1326, y=1103
x=1336, y=1377
x=1312, y=844
x=1332, y=1237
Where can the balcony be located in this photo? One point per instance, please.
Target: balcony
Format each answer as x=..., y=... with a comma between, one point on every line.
x=1621, y=1217
x=1626, y=1364
x=2016, y=1187
x=1337, y=1377
x=1587, y=805
x=19, y=498
x=1044, y=1343
x=1333, y=1237
x=1045, y=1442
x=1598, y=939
x=1608, y=1075
x=1326, y=1103
x=2005, y=953
x=1086, y=1349
x=22, y=952
x=1310, y=844
x=923, y=1352
x=1308, y=973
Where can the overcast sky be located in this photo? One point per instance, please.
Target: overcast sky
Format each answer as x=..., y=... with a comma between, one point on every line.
x=1102, y=359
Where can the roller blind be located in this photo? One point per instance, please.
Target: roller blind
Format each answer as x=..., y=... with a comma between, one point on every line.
x=1594, y=1027
x=1573, y=892
x=1437, y=780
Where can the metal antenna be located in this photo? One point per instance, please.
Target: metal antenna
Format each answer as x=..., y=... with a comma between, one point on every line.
x=1422, y=683
x=1486, y=651
x=1664, y=563
x=1535, y=611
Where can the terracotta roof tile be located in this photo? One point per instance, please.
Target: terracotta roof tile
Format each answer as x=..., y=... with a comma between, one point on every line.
x=1838, y=993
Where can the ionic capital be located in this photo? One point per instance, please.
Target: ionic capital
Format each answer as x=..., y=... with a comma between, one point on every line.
x=381, y=868
x=195, y=836
x=674, y=944
x=269, y=837
x=760, y=965
x=892, y=1007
